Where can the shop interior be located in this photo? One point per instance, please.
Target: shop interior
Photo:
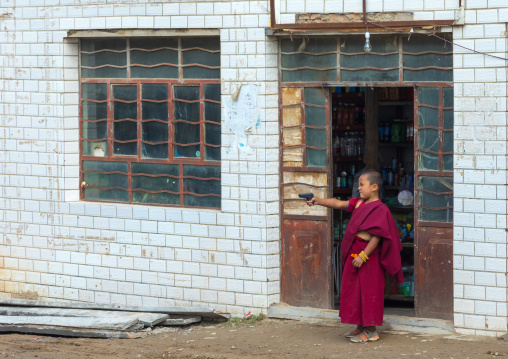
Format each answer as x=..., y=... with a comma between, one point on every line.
x=394, y=128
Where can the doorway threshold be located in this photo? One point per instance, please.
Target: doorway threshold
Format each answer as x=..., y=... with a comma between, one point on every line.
x=395, y=321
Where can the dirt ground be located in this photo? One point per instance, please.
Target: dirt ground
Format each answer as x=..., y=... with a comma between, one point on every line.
x=268, y=338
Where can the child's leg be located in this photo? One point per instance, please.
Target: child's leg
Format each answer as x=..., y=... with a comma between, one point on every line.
x=371, y=329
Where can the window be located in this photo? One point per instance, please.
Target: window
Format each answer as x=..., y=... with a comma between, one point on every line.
x=151, y=121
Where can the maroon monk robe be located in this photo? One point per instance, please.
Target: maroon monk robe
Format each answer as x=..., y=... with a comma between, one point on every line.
x=362, y=289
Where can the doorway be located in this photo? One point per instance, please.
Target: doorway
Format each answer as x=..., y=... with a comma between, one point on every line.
x=374, y=129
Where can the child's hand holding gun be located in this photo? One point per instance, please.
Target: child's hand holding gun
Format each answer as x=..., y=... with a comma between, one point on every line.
x=309, y=198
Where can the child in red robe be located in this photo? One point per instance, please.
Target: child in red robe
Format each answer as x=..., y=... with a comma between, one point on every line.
x=370, y=247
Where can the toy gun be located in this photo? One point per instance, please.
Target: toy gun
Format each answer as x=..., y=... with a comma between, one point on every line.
x=307, y=196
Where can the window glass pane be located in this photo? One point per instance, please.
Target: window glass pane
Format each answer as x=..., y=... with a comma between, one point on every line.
x=156, y=92
x=301, y=60
x=355, y=44
x=212, y=92
x=313, y=45
x=209, y=43
x=370, y=75
x=154, y=111
x=105, y=180
x=428, y=96
x=165, y=72
x=94, y=130
x=212, y=136
x=164, y=181
x=448, y=119
x=97, y=149
x=113, y=195
x=315, y=96
x=201, y=171
x=428, y=117
x=104, y=72
x=125, y=131
x=196, y=72
x=94, y=111
x=428, y=75
x=316, y=158
x=212, y=112
x=204, y=201
x=90, y=45
x=158, y=57
x=439, y=203
x=156, y=183
x=212, y=153
x=104, y=58
x=202, y=187
x=417, y=61
x=155, y=169
x=185, y=112
x=156, y=198
x=155, y=132
x=363, y=60
x=428, y=161
x=315, y=116
x=447, y=141
x=426, y=43
x=448, y=97
x=154, y=43
x=315, y=137
x=201, y=57
x=98, y=92
x=448, y=162
x=309, y=75
x=428, y=139
x=105, y=166
x=160, y=51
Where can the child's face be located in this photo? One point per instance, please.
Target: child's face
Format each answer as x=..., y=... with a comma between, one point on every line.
x=365, y=188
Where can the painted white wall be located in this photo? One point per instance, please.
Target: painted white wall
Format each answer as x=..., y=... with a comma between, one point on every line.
x=59, y=248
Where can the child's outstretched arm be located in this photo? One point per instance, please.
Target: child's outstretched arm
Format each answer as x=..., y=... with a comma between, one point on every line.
x=329, y=202
x=373, y=243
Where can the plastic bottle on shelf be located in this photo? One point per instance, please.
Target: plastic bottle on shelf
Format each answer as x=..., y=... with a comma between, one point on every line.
x=387, y=132
x=361, y=143
x=354, y=141
x=340, y=120
x=343, y=144
x=394, y=164
x=334, y=115
x=343, y=180
x=357, y=115
x=390, y=178
x=336, y=147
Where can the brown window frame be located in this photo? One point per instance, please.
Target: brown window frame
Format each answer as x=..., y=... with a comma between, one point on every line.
x=172, y=159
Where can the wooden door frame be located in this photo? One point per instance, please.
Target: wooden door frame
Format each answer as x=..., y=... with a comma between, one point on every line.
x=328, y=171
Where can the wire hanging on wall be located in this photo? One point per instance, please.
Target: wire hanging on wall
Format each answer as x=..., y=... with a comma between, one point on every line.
x=436, y=36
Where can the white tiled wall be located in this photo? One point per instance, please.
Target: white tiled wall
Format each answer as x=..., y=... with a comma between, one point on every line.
x=58, y=248
x=480, y=236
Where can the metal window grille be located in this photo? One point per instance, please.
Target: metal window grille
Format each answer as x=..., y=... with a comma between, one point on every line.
x=151, y=121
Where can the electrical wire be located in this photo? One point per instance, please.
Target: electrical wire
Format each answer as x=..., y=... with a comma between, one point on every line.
x=436, y=36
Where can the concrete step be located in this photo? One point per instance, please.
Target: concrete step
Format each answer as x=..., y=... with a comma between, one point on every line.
x=391, y=322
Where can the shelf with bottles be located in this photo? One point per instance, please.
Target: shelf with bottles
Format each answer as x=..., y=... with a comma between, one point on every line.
x=342, y=190
x=395, y=103
x=396, y=144
x=396, y=131
x=349, y=146
x=396, y=94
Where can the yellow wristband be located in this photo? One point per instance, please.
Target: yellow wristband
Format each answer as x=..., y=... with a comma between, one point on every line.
x=363, y=256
